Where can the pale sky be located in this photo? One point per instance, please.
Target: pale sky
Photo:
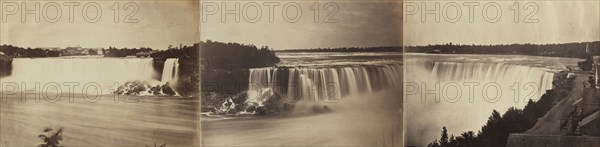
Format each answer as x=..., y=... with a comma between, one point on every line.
x=376, y=23
x=559, y=21
x=361, y=24
x=161, y=23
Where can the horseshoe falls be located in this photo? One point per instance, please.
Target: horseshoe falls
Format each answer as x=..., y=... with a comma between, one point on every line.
x=324, y=83
x=441, y=89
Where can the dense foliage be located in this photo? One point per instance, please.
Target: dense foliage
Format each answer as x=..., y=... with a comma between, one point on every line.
x=573, y=50
x=124, y=52
x=181, y=52
x=225, y=69
x=350, y=49
x=218, y=55
x=15, y=51
x=494, y=133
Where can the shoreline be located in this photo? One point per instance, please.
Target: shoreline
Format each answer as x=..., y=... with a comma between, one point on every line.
x=564, y=123
x=546, y=124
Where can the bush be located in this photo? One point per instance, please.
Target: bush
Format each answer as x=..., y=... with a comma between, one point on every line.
x=52, y=140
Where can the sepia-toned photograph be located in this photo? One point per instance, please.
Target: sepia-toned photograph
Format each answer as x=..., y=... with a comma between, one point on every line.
x=501, y=73
x=99, y=73
x=301, y=73
x=322, y=73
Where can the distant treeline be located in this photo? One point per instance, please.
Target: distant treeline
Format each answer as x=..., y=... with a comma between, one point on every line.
x=573, y=50
x=181, y=52
x=15, y=51
x=496, y=131
x=234, y=55
x=124, y=52
x=349, y=49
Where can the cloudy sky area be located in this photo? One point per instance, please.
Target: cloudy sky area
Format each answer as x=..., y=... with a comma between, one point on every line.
x=560, y=21
x=361, y=24
x=161, y=23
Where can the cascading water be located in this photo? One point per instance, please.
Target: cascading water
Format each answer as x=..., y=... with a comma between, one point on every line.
x=362, y=88
x=170, y=72
x=105, y=72
x=322, y=83
x=494, y=72
x=440, y=94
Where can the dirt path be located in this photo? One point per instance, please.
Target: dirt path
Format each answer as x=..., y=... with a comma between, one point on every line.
x=550, y=123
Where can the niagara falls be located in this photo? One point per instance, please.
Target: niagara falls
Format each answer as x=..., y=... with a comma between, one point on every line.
x=303, y=98
x=105, y=94
x=299, y=73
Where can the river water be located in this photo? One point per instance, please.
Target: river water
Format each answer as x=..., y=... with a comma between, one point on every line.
x=74, y=93
x=363, y=91
x=133, y=121
x=366, y=89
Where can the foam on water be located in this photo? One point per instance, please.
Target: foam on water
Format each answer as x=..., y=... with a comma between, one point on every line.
x=95, y=75
x=322, y=84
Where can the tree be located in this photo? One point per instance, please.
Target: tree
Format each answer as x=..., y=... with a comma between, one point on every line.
x=434, y=144
x=444, y=138
x=466, y=139
x=92, y=52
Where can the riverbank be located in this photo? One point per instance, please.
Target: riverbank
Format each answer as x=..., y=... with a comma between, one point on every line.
x=550, y=123
x=573, y=121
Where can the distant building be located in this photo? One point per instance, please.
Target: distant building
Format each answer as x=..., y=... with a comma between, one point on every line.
x=73, y=51
x=435, y=51
x=51, y=48
x=95, y=51
x=143, y=54
x=99, y=51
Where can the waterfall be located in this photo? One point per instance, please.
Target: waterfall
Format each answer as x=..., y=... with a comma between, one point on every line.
x=104, y=72
x=439, y=93
x=170, y=72
x=324, y=83
x=494, y=72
